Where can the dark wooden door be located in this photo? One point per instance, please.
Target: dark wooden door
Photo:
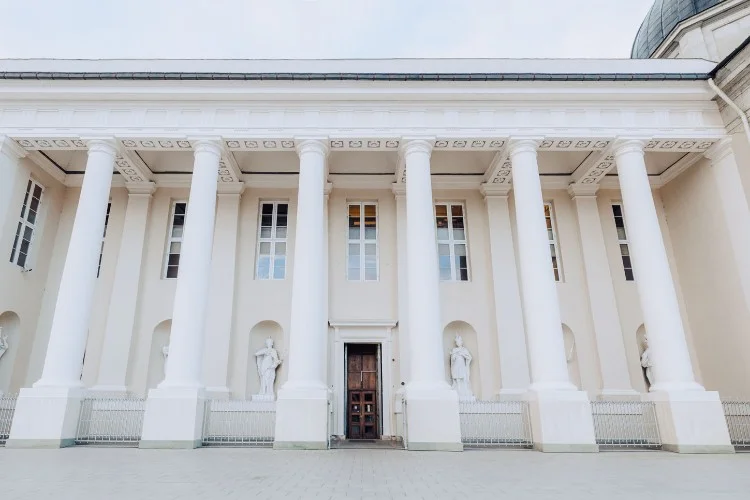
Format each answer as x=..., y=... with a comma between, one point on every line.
x=362, y=392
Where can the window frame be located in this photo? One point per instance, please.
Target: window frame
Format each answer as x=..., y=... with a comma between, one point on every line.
x=171, y=239
x=452, y=242
x=273, y=240
x=621, y=241
x=554, y=242
x=104, y=237
x=23, y=223
x=362, y=241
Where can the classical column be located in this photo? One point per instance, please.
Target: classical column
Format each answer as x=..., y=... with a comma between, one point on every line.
x=514, y=365
x=734, y=207
x=305, y=391
x=561, y=415
x=606, y=319
x=221, y=301
x=432, y=407
x=690, y=419
x=123, y=304
x=10, y=169
x=53, y=422
x=541, y=309
x=399, y=191
x=174, y=410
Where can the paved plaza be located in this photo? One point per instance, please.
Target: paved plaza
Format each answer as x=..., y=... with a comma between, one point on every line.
x=105, y=473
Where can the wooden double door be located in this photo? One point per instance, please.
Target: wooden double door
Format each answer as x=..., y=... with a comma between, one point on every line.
x=362, y=391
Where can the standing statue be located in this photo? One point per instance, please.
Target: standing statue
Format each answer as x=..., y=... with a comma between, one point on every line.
x=461, y=370
x=647, y=363
x=267, y=360
x=3, y=342
x=165, y=355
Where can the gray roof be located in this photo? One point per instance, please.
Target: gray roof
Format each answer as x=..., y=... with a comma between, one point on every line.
x=661, y=20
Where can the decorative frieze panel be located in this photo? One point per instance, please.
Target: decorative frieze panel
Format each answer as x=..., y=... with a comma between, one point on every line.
x=678, y=145
x=573, y=144
x=132, y=168
x=65, y=144
x=157, y=144
x=365, y=144
x=260, y=144
x=464, y=144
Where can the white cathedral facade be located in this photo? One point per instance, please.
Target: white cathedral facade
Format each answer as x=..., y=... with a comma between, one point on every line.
x=398, y=235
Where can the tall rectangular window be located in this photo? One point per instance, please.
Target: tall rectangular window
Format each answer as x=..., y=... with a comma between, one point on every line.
x=362, y=256
x=101, y=250
x=272, y=234
x=554, y=250
x=174, y=241
x=27, y=224
x=453, y=259
x=622, y=240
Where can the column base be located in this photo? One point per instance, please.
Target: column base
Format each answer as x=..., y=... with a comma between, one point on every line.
x=691, y=421
x=432, y=421
x=218, y=392
x=511, y=394
x=619, y=395
x=46, y=417
x=109, y=391
x=561, y=422
x=302, y=419
x=173, y=418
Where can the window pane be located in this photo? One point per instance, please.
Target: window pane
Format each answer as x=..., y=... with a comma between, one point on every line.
x=281, y=232
x=626, y=263
x=173, y=259
x=371, y=274
x=371, y=233
x=617, y=210
x=31, y=216
x=370, y=249
x=264, y=267
x=266, y=209
x=266, y=220
x=280, y=249
x=353, y=213
x=265, y=248
x=459, y=234
x=177, y=231
x=354, y=233
x=281, y=221
x=370, y=262
x=354, y=249
x=282, y=209
x=180, y=208
x=629, y=275
x=25, y=199
x=441, y=210
x=550, y=234
x=172, y=271
x=621, y=233
x=552, y=251
x=457, y=210
x=279, y=267
x=175, y=247
x=445, y=268
x=265, y=232
x=370, y=211
x=624, y=250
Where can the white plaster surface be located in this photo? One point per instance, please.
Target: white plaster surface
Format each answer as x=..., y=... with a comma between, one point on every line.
x=82, y=473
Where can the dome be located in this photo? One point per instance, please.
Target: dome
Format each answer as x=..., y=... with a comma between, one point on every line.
x=661, y=20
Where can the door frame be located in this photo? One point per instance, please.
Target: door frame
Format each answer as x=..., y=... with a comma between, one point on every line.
x=362, y=332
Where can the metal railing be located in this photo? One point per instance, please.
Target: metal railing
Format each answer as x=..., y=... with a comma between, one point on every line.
x=737, y=414
x=626, y=424
x=239, y=422
x=7, y=409
x=495, y=424
x=111, y=421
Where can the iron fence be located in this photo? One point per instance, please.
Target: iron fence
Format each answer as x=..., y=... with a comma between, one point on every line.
x=737, y=414
x=626, y=424
x=495, y=424
x=7, y=409
x=239, y=422
x=111, y=421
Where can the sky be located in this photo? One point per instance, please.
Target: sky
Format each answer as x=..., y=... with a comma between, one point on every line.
x=319, y=29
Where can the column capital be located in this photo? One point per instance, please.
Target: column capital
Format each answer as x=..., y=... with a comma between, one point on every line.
x=106, y=145
x=305, y=145
x=495, y=191
x=583, y=190
x=719, y=150
x=523, y=145
x=625, y=145
x=410, y=145
x=140, y=188
x=11, y=147
x=398, y=189
x=206, y=145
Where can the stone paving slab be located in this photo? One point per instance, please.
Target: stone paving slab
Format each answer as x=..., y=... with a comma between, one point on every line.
x=232, y=473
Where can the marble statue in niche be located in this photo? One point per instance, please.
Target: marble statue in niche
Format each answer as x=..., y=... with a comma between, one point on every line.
x=267, y=361
x=461, y=370
x=4, y=346
x=646, y=363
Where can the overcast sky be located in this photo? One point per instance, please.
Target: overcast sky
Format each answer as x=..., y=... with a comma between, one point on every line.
x=247, y=29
